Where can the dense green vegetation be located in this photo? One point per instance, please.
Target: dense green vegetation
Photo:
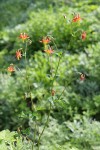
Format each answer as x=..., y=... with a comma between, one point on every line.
x=74, y=122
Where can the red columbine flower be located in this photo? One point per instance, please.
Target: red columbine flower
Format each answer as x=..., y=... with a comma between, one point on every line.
x=23, y=36
x=18, y=54
x=76, y=18
x=45, y=40
x=11, y=68
x=83, y=35
x=82, y=77
x=49, y=51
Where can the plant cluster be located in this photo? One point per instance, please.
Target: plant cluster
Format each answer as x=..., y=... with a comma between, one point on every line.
x=50, y=91
x=52, y=75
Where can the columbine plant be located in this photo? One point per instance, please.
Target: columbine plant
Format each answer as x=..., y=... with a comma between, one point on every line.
x=76, y=18
x=22, y=52
x=11, y=68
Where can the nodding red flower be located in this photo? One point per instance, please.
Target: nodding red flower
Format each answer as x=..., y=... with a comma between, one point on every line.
x=49, y=51
x=83, y=35
x=23, y=36
x=76, y=18
x=45, y=40
x=53, y=92
x=82, y=77
x=11, y=68
x=18, y=54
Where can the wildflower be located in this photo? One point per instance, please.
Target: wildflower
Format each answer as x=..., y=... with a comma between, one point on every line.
x=82, y=77
x=49, y=51
x=52, y=92
x=11, y=68
x=83, y=35
x=18, y=54
x=45, y=40
x=23, y=36
x=76, y=18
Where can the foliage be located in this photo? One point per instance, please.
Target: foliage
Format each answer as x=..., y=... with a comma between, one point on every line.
x=51, y=21
x=74, y=109
x=77, y=135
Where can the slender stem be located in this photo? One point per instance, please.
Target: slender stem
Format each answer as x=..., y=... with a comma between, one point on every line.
x=27, y=79
x=50, y=104
x=26, y=67
x=46, y=123
x=35, y=130
x=57, y=67
x=32, y=147
x=62, y=93
x=56, y=70
x=26, y=62
x=58, y=62
x=55, y=45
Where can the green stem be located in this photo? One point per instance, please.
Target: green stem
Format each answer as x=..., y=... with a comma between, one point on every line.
x=56, y=70
x=62, y=93
x=35, y=131
x=46, y=123
x=50, y=104
x=27, y=80
x=32, y=147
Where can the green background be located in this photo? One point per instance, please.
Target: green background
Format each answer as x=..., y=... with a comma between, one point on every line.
x=75, y=117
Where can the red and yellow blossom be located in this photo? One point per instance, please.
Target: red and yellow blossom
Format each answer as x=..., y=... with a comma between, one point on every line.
x=83, y=35
x=11, y=68
x=23, y=36
x=45, y=40
x=49, y=51
x=18, y=54
x=82, y=77
x=76, y=18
